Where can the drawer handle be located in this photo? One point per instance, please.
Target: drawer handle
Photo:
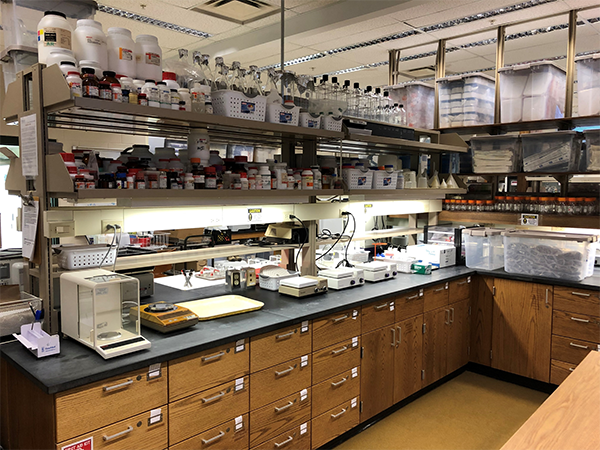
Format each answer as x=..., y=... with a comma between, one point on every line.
x=114, y=436
x=210, y=358
x=283, y=408
x=577, y=319
x=439, y=290
x=461, y=283
x=452, y=320
x=340, y=350
x=212, y=399
x=572, y=344
x=571, y=369
x=380, y=307
x=393, y=330
x=335, y=416
x=399, y=335
x=287, y=441
x=284, y=372
x=581, y=294
x=213, y=439
x=447, y=321
x=339, y=319
x=339, y=383
x=117, y=386
x=286, y=335
x=547, y=302
x=412, y=297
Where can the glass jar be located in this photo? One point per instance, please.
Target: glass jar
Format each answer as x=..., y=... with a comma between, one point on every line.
x=578, y=207
x=471, y=205
x=551, y=205
x=589, y=206
x=489, y=206
x=571, y=205
x=561, y=205
x=500, y=203
x=479, y=205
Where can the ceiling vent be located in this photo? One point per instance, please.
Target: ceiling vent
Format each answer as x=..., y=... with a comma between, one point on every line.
x=237, y=11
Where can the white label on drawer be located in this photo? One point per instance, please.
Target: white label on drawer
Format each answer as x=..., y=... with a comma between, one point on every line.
x=468, y=279
x=304, y=328
x=354, y=314
x=354, y=402
x=239, y=423
x=391, y=306
x=303, y=428
x=355, y=341
x=303, y=394
x=85, y=444
x=239, y=384
x=420, y=292
x=599, y=347
x=240, y=346
x=354, y=372
x=304, y=361
x=155, y=416
x=154, y=370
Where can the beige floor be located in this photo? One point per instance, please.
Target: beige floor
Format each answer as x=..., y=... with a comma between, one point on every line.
x=470, y=411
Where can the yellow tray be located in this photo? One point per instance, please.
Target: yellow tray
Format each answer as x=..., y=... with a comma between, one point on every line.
x=225, y=305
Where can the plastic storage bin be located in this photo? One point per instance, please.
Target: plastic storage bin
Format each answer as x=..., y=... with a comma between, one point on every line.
x=466, y=100
x=383, y=179
x=15, y=312
x=484, y=248
x=418, y=99
x=551, y=152
x=590, y=160
x=236, y=104
x=551, y=255
x=496, y=154
x=533, y=91
x=357, y=179
x=588, y=84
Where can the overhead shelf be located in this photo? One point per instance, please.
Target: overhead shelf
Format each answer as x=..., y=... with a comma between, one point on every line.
x=380, y=144
x=402, y=194
x=545, y=220
x=566, y=123
x=373, y=235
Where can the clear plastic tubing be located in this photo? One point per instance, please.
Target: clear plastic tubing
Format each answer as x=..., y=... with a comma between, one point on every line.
x=89, y=42
x=121, y=52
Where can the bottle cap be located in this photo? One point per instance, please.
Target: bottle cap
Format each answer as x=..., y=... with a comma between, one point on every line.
x=108, y=73
x=356, y=85
x=169, y=76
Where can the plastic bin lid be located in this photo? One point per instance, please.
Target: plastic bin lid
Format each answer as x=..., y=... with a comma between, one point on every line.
x=462, y=77
x=410, y=83
x=529, y=66
x=551, y=235
x=483, y=232
x=479, y=74
x=507, y=137
x=550, y=134
x=584, y=57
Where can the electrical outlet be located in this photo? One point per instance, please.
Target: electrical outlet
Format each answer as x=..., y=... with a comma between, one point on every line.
x=106, y=223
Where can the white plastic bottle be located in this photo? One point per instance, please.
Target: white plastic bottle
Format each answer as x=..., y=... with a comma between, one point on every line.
x=164, y=95
x=307, y=179
x=53, y=31
x=89, y=42
x=121, y=51
x=264, y=178
x=199, y=146
x=148, y=57
x=74, y=81
x=317, y=177
x=66, y=67
x=58, y=55
x=151, y=90
x=184, y=93
x=171, y=79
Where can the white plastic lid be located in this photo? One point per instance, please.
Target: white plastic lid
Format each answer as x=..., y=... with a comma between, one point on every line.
x=119, y=30
x=584, y=57
x=529, y=66
x=88, y=63
x=298, y=282
x=89, y=23
x=146, y=37
x=548, y=134
x=410, y=83
x=551, y=235
x=483, y=232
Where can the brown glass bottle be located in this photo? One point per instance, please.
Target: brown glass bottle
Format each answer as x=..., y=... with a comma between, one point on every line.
x=89, y=83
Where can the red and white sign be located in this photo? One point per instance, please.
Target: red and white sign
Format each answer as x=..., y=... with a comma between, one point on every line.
x=86, y=444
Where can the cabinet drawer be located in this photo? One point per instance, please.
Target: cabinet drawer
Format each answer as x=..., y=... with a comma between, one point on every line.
x=195, y=373
x=278, y=346
x=335, y=328
x=231, y=435
x=114, y=399
x=409, y=304
x=577, y=300
x=335, y=391
x=577, y=326
x=559, y=370
x=203, y=411
x=270, y=421
x=435, y=297
x=297, y=438
x=334, y=422
x=139, y=431
x=336, y=359
x=570, y=350
x=460, y=289
x=276, y=382
x=377, y=314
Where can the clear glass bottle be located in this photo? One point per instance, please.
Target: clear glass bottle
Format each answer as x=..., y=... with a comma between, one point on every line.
x=290, y=90
x=221, y=75
x=253, y=85
x=236, y=79
x=561, y=205
x=403, y=119
x=365, y=103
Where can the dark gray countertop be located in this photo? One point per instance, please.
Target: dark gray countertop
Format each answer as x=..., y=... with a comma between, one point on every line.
x=78, y=365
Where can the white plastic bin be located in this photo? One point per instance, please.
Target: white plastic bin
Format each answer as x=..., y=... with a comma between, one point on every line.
x=551, y=152
x=591, y=158
x=496, y=154
x=418, y=99
x=588, y=84
x=534, y=91
x=546, y=254
x=466, y=100
x=484, y=248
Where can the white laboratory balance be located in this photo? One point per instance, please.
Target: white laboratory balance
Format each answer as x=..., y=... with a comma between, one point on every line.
x=343, y=277
x=96, y=311
x=378, y=270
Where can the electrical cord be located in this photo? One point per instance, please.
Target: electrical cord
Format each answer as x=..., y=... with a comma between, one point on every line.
x=345, y=260
x=117, y=227
x=336, y=242
x=305, y=240
x=111, y=244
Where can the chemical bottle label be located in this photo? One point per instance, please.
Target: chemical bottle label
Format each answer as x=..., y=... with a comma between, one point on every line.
x=125, y=54
x=152, y=58
x=55, y=37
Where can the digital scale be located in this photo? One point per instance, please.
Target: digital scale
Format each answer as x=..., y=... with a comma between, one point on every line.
x=343, y=277
x=165, y=317
x=378, y=270
x=303, y=286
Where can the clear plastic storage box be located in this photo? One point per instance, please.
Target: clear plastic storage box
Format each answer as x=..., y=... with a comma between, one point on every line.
x=588, y=84
x=533, y=91
x=466, y=100
x=418, y=99
x=551, y=152
x=496, y=154
x=551, y=255
x=484, y=248
x=590, y=160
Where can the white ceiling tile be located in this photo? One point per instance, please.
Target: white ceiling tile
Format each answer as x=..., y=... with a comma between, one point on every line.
x=306, y=6
x=251, y=55
x=426, y=8
x=275, y=18
x=330, y=43
x=577, y=4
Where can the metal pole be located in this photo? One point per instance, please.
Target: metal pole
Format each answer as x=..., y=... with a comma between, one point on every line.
x=394, y=63
x=282, y=39
x=499, y=64
x=571, y=63
x=440, y=72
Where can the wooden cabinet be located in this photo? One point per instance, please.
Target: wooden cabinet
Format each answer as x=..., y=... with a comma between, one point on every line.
x=334, y=422
x=577, y=300
x=281, y=345
x=297, y=438
x=231, y=435
x=460, y=289
x=522, y=321
x=409, y=304
x=335, y=391
x=435, y=344
x=376, y=315
x=571, y=350
x=458, y=335
x=482, y=306
x=335, y=328
x=333, y=360
x=578, y=326
x=408, y=357
x=377, y=371
x=436, y=296
x=560, y=370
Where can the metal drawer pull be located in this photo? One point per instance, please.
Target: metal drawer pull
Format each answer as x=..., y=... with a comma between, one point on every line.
x=547, y=302
x=284, y=372
x=581, y=294
x=117, y=386
x=393, y=337
x=287, y=441
x=339, y=319
x=283, y=408
x=341, y=350
x=286, y=335
x=577, y=319
x=461, y=282
x=571, y=369
x=447, y=322
x=399, y=335
x=381, y=306
x=335, y=416
x=210, y=358
x=213, y=439
x=412, y=297
x=452, y=309
x=439, y=290
x=212, y=399
x=114, y=436
x=339, y=383
x=572, y=344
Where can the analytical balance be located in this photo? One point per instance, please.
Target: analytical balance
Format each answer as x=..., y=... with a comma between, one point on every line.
x=378, y=270
x=343, y=277
x=95, y=310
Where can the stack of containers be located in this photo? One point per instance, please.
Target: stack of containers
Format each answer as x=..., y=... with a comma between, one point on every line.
x=534, y=91
x=484, y=248
x=588, y=84
x=551, y=152
x=418, y=99
x=496, y=154
x=590, y=160
x=466, y=100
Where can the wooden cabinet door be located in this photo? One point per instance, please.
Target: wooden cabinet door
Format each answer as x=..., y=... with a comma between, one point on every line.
x=436, y=325
x=458, y=336
x=377, y=371
x=408, y=358
x=482, y=305
x=522, y=323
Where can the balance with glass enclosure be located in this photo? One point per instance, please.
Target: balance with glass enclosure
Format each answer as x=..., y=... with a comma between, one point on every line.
x=96, y=311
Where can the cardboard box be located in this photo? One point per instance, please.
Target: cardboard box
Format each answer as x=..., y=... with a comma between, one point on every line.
x=437, y=255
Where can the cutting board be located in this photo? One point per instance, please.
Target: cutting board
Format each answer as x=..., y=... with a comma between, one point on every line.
x=225, y=305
